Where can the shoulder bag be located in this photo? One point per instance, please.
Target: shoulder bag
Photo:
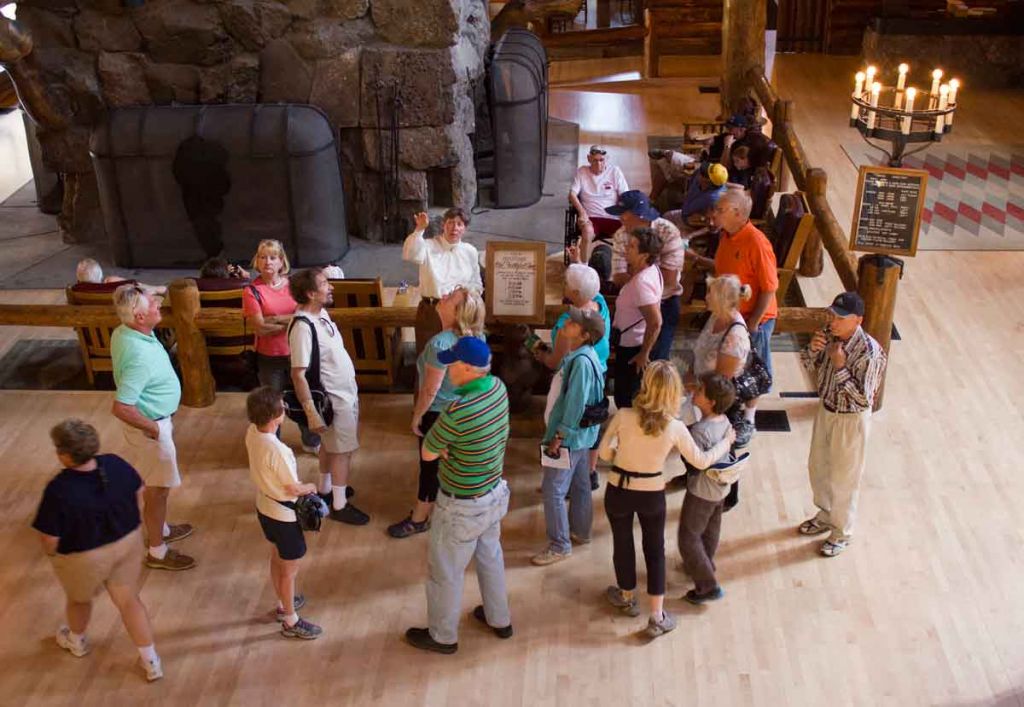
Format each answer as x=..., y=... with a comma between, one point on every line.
x=593, y=413
x=754, y=380
x=321, y=400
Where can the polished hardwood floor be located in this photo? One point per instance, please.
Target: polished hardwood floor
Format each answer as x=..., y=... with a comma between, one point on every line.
x=925, y=608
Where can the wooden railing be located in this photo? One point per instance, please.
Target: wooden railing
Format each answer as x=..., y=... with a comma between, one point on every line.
x=188, y=321
x=813, y=181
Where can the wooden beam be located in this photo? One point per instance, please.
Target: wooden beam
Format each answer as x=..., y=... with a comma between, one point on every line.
x=833, y=237
x=743, y=29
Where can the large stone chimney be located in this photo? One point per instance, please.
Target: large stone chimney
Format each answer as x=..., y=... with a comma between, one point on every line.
x=382, y=70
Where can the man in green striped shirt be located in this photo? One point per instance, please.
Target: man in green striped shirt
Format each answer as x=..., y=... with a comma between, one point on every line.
x=469, y=437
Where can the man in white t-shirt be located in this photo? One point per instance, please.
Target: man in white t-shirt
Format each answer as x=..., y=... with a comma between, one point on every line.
x=597, y=186
x=337, y=377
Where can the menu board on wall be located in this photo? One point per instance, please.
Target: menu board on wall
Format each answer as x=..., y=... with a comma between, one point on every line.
x=515, y=281
x=887, y=213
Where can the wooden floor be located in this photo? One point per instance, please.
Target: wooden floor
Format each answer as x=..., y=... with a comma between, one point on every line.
x=926, y=608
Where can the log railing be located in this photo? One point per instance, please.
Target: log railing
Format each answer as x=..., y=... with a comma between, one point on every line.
x=811, y=180
x=188, y=322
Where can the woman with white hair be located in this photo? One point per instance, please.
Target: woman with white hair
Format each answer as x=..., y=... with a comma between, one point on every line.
x=582, y=289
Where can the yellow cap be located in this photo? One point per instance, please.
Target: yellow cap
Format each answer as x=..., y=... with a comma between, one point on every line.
x=718, y=174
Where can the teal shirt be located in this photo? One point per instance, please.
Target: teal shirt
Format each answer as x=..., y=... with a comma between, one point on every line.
x=143, y=373
x=582, y=385
x=602, y=347
x=428, y=357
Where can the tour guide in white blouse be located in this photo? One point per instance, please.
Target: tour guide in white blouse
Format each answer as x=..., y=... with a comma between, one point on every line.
x=446, y=262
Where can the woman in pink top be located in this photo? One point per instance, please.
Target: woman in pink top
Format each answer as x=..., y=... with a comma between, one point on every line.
x=268, y=307
x=637, y=314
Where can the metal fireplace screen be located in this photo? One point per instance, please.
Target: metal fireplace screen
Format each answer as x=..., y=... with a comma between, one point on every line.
x=179, y=184
x=518, y=95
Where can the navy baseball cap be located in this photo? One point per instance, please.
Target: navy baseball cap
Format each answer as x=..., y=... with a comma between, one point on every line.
x=637, y=203
x=738, y=121
x=468, y=349
x=847, y=304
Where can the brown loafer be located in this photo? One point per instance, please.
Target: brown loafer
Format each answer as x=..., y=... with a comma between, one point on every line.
x=173, y=560
x=178, y=532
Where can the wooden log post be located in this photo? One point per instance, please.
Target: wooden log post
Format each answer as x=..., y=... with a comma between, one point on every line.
x=651, y=60
x=879, y=277
x=832, y=235
x=743, y=27
x=780, y=117
x=812, y=259
x=197, y=386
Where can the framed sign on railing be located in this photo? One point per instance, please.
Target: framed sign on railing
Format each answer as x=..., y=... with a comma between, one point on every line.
x=887, y=213
x=514, y=289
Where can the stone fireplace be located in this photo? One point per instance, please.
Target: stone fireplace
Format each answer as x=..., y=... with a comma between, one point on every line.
x=395, y=78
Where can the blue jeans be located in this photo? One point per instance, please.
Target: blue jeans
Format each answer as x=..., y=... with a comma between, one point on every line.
x=576, y=481
x=761, y=341
x=464, y=529
x=669, y=320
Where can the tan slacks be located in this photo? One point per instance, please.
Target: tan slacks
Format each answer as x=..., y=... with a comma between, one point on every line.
x=836, y=463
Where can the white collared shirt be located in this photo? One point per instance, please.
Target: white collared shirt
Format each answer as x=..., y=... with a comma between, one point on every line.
x=443, y=265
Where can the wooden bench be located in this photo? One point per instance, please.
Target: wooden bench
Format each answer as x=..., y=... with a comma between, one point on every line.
x=93, y=341
x=373, y=348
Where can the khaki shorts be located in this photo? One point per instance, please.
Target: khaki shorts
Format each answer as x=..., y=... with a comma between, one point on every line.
x=342, y=436
x=83, y=574
x=156, y=460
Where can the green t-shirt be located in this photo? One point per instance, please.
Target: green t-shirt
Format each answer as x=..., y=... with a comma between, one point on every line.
x=474, y=430
x=143, y=373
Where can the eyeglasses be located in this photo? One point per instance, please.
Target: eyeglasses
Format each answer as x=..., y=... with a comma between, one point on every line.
x=598, y=152
x=328, y=325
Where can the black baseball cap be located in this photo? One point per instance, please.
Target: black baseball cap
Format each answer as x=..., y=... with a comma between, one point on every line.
x=847, y=304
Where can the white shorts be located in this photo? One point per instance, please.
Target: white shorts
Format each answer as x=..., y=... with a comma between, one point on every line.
x=156, y=460
x=342, y=435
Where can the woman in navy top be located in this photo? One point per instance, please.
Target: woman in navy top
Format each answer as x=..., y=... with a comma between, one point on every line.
x=90, y=526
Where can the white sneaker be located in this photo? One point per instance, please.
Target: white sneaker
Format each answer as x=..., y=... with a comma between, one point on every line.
x=154, y=669
x=75, y=648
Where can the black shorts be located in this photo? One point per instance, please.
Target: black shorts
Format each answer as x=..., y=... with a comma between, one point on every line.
x=286, y=537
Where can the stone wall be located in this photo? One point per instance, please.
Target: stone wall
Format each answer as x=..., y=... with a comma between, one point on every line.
x=334, y=54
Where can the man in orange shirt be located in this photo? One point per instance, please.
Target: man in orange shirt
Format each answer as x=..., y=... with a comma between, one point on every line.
x=746, y=252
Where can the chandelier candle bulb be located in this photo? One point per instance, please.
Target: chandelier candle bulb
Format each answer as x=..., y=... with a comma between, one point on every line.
x=859, y=78
x=936, y=80
x=905, y=126
x=876, y=88
x=943, y=98
x=954, y=84
x=870, y=75
x=901, y=79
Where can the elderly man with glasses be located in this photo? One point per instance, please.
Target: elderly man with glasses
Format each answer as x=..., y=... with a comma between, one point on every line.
x=320, y=362
x=597, y=185
x=148, y=394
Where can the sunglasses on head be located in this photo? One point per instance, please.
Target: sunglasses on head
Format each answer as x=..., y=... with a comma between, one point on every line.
x=328, y=325
x=598, y=152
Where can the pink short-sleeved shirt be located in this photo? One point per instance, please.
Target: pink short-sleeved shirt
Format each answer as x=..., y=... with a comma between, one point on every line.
x=643, y=289
x=272, y=302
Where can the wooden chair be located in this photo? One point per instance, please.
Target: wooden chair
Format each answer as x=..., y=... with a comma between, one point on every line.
x=229, y=347
x=93, y=341
x=788, y=231
x=373, y=349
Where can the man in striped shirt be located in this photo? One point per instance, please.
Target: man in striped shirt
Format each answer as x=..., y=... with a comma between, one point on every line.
x=469, y=438
x=848, y=366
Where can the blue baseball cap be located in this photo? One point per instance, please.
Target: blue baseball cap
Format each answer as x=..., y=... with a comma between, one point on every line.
x=637, y=203
x=468, y=349
x=738, y=121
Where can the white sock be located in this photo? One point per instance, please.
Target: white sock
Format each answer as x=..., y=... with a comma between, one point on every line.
x=324, y=485
x=167, y=530
x=159, y=552
x=78, y=638
x=148, y=653
x=291, y=619
x=338, y=500
x=749, y=413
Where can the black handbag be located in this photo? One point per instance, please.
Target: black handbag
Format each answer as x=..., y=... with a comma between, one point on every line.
x=615, y=336
x=754, y=380
x=594, y=413
x=321, y=400
x=310, y=510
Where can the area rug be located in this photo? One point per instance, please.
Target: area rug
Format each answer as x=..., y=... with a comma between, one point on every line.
x=45, y=364
x=975, y=194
